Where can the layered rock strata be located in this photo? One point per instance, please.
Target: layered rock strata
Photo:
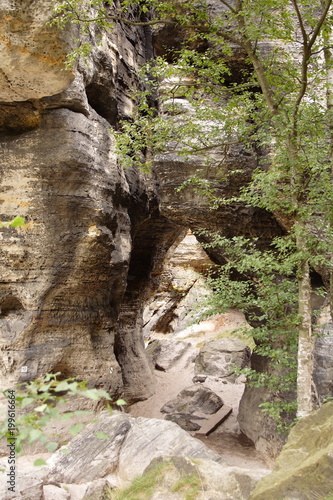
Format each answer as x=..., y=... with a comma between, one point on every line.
x=75, y=276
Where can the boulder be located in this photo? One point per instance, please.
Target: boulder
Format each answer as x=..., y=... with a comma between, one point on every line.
x=176, y=478
x=218, y=357
x=229, y=483
x=192, y=406
x=165, y=353
x=199, y=379
x=91, y=454
x=129, y=448
x=52, y=492
x=97, y=490
x=194, y=400
x=303, y=470
x=258, y=425
x=153, y=438
x=185, y=421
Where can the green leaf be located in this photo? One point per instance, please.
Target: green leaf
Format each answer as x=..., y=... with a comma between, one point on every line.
x=66, y=416
x=102, y=435
x=92, y=394
x=39, y=461
x=18, y=221
x=41, y=408
x=35, y=434
x=26, y=401
x=121, y=402
x=62, y=386
x=75, y=429
x=52, y=446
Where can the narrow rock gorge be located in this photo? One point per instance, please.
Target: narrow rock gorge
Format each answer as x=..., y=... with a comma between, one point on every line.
x=77, y=276
x=81, y=281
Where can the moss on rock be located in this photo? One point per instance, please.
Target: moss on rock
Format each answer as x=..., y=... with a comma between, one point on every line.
x=304, y=467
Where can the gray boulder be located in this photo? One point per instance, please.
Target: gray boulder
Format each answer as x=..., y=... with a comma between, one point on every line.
x=90, y=455
x=131, y=445
x=176, y=478
x=152, y=438
x=165, y=353
x=192, y=406
x=219, y=357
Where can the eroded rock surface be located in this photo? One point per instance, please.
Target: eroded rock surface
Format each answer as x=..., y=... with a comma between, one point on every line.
x=32, y=52
x=74, y=279
x=131, y=446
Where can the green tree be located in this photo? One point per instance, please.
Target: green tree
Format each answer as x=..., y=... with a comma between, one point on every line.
x=278, y=105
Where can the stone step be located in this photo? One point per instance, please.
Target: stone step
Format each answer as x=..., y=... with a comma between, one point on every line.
x=214, y=421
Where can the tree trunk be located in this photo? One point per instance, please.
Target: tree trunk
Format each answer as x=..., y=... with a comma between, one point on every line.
x=328, y=54
x=305, y=339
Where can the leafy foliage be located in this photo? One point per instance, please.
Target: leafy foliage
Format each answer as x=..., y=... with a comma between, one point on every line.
x=38, y=403
x=262, y=285
x=16, y=222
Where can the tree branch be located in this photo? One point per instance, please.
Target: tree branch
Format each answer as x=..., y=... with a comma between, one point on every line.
x=300, y=21
x=320, y=24
x=124, y=20
x=229, y=6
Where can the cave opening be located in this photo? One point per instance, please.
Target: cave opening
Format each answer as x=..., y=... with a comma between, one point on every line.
x=10, y=304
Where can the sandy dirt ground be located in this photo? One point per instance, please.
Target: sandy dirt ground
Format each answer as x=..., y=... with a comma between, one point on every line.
x=227, y=439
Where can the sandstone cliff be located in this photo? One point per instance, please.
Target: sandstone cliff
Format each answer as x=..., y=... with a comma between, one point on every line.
x=75, y=279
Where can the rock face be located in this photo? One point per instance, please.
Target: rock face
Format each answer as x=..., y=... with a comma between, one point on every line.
x=303, y=470
x=164, y=353
x=32, y=59
x=75, y=277
x=323, y=373
x=181, y=290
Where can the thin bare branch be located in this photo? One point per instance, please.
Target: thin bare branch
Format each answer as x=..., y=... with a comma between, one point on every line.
x=300, y=21
x=228, y=6
x=124, y=20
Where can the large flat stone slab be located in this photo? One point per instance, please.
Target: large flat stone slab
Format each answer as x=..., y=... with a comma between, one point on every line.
x=214, y=421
